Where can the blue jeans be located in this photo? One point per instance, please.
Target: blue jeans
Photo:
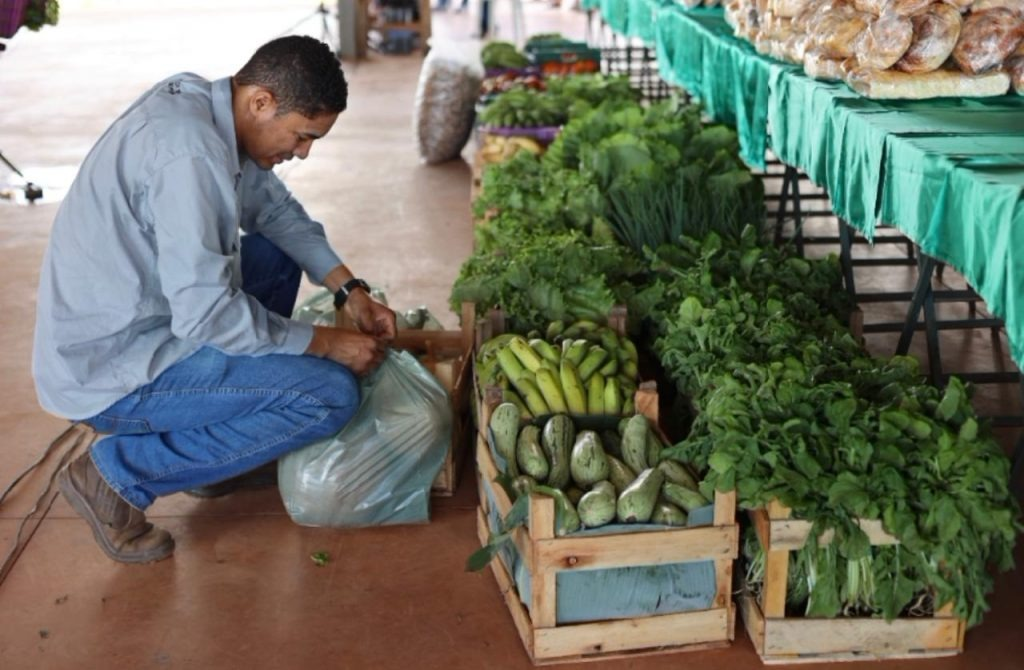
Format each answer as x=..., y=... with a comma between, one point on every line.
x=213, y=416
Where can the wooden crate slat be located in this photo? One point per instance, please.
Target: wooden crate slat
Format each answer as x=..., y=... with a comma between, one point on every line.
x=786, y=534
x=781, y=639
x=507, y=585
x=791, y=535
x=667, y=630
x=657, y=547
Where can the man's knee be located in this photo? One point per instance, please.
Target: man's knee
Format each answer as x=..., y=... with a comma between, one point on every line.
x=340, y=393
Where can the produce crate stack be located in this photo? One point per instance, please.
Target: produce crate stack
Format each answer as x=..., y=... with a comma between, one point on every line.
x=560, y=584
x=550, y=560
x=781, y=639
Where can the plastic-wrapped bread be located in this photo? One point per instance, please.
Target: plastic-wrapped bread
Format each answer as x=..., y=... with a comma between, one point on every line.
x=907, y=7
x=1015, y=68
x=794, y=48
x=732, y=13
x=1017, y=6
x=837, y=32
x=805, y=20
x=936, y=31
x=820, y=66
x=987, y=39
x=875, y=7
x=889, y=84
x=884, y=42
x=787, y=8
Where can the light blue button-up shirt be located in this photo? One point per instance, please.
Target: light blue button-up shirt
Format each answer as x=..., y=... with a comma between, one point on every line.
x=142, y=266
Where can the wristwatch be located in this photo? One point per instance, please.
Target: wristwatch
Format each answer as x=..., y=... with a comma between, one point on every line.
x=352, y=284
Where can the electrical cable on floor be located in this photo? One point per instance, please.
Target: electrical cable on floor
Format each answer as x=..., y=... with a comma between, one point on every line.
x=81, y=437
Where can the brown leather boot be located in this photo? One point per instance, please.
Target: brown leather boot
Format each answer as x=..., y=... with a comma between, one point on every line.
x=121, y=530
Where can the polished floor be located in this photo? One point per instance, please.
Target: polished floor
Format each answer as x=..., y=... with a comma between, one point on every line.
x=241, y=590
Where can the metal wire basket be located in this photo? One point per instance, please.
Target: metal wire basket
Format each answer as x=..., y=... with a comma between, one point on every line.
x=640, y=64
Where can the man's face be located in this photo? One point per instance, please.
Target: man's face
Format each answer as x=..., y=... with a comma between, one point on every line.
x=275, y=138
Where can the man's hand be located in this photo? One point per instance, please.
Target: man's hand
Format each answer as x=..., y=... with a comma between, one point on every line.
x=371, y=317
x=359, y=352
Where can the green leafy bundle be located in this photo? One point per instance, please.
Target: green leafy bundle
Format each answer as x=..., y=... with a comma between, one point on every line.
x=664, y=174
x=544, y=278
x=500, y=54
x=524, y=108
x=526, y=193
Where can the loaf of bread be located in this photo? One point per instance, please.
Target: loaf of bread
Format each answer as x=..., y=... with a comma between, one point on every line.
x=1017, y=6
x=836, y=33
x=907, y=7
x=787, y=8
x=936, y=31
x=875, y=7
x=820, y=66
x=884, y=42
x=889, y=84
x=987, y=39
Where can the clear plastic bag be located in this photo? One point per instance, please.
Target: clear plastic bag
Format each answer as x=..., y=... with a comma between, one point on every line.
x=445, y=100
x=884, y=42
x=935, y=34
x=987, y=39
x=379, y=469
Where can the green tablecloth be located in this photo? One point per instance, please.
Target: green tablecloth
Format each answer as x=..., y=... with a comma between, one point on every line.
x=642, y=19
x=948, y=173
x=696, y=50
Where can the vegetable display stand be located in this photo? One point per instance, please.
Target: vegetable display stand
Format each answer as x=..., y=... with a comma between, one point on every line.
x=780, y=639
x=448, y=354
x=548, y=559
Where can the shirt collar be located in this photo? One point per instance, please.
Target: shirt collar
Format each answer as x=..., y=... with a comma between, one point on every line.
x=224, y=118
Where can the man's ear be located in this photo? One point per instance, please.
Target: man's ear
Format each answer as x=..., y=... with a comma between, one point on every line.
x=262, y=103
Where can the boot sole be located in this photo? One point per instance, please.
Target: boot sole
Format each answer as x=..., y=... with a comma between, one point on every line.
x=79, y=504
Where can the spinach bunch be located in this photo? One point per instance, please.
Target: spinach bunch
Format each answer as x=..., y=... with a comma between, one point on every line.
x=543, y=278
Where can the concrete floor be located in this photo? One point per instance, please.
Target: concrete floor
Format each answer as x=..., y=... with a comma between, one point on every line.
x=241, y=590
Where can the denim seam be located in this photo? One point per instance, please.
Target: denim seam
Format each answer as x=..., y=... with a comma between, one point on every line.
x=262, y=445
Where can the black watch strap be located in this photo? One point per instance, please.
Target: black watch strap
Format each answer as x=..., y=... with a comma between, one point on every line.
x=352, y=284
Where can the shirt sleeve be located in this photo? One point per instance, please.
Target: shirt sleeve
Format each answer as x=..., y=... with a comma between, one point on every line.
x=193, y=213
x=270, y=209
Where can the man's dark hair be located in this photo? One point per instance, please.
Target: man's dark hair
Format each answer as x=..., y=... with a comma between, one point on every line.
x=303, y=74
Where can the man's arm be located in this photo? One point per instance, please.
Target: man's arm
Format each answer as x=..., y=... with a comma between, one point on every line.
x=190, y=205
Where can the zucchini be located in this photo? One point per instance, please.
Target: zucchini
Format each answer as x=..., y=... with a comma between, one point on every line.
x=566, y=518
x=686, y=498
x=636, y=503
x=530, y=455
x=634, y=443
x=668, y=514
x=677, y=473
x=504, y=425
x=654, y=447
x=557, y=438
x=619, y=474
x=597, y=506
x=588, y=463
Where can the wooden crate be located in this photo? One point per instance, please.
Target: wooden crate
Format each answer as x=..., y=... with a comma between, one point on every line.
x=781, y=639
x=546, y=555
x=448, y=354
